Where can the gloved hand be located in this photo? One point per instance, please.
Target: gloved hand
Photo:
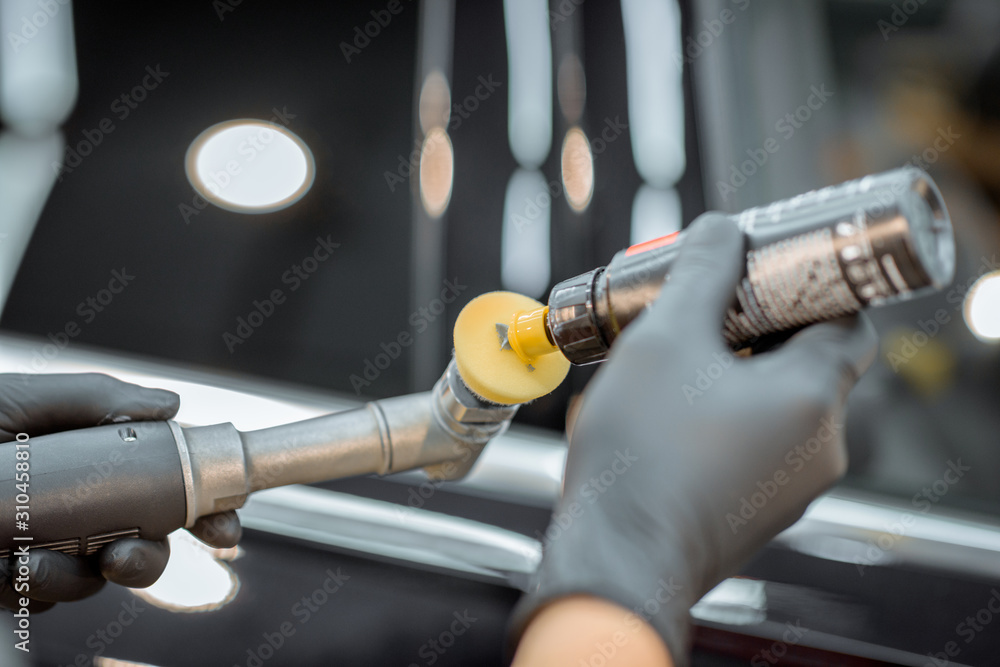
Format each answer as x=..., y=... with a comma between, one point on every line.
x=684, y=459
x=41, y=404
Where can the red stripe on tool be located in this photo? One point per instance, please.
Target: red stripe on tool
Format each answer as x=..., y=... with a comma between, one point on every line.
x=649, y=245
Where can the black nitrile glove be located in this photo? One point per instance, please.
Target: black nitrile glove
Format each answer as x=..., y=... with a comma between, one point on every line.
x=41, y=404
x=685, y=460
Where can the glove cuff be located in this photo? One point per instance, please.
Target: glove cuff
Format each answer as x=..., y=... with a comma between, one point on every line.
x=673, y=624
x=629, y=580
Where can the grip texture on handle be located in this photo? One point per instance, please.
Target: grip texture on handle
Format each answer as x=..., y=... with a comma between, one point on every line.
x=89, y=487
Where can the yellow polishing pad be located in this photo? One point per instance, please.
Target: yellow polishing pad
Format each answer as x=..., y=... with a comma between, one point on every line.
x=499, y=375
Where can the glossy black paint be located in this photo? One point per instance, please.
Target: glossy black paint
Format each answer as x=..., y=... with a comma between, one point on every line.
x=386, y=613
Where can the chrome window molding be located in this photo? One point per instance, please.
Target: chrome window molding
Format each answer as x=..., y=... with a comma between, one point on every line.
x=522, y=466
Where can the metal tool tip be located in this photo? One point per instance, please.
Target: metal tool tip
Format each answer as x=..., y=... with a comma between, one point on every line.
x=502, y=336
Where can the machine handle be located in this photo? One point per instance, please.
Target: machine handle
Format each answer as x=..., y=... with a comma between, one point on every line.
x=90, y=487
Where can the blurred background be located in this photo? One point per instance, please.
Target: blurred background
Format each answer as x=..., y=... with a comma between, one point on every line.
x=565, y=133
x=463, y=147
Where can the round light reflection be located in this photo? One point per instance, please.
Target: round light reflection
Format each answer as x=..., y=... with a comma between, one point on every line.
x=982, y=307
x=577, y=169
x=250, y=166
x=435, y=102
x=436, y=172
x=195, y=580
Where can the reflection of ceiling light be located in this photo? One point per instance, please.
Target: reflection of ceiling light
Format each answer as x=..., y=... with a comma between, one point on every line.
x=101, y=661
x=571, y=87
x=577, y=169
x=250, y=166
x=435, y=102
x=529, y=93
x=195, y=579
x=982, y=307
x=436, y=172
x=733, y=602
x=525, y=250
x=38, y=81
x=655, y=89
x=655, y=212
